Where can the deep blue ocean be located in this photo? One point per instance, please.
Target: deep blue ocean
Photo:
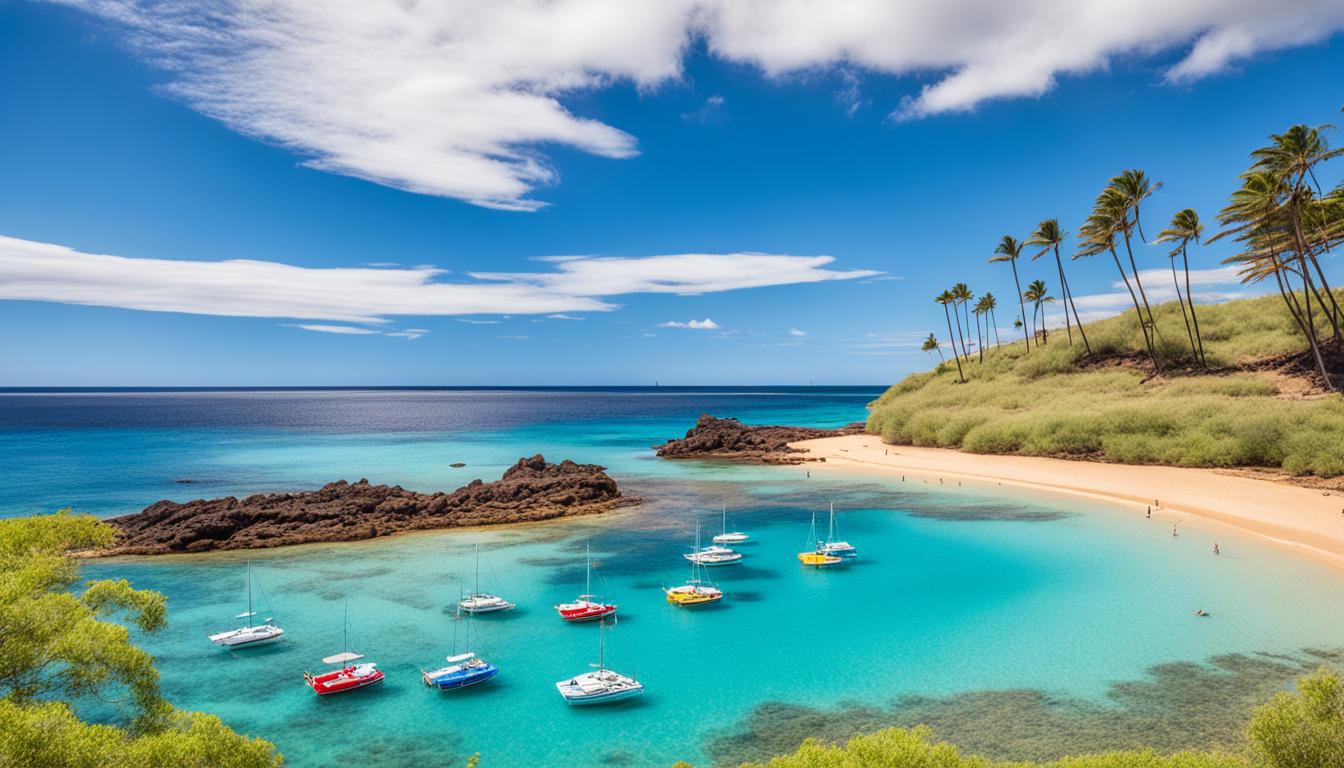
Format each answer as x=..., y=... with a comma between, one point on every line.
x=959, y=591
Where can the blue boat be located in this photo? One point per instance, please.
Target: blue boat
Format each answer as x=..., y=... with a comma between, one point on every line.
x=463, y=670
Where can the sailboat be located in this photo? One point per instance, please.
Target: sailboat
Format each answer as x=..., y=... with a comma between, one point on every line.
x=729, y=537
x=463, y=669
x=695, y=591
x=585, y=608
x=348, y=676
x=602, y=685
x=815, y=557
x=832, y=546
x=480, y=602
x=248, y=636
x=714, y=556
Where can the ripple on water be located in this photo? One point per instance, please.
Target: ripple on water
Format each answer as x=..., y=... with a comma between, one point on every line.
x=1181, y=705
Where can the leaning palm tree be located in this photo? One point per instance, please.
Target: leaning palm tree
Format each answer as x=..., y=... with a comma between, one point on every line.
x=1292, y=157
x=1008, y=250
x=931, y=345
x=945, y=298
x=1037, y=294
x=1048, y=236
x=1185, y=228
x=1097, y=235
x=991, y=304
x=962, y=293
x=1134, y=187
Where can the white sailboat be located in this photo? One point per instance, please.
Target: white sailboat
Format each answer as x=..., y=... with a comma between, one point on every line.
x=834, y=546
x=695, y=591
x=481, y=602
x=729, y=537
x=248, y=636
x=602, y=685
x=714, y=556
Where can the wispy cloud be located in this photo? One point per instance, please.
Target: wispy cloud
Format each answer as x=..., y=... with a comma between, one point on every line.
x=245, y=288
x=884, y=343
x=459, y=99
x=352, y=330
x=475, y=321
x=796, y=332
x=699, y=325
x=562, y=317
x=710, y=112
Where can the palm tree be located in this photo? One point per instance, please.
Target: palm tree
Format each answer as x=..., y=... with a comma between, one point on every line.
x=1185, y=228
x=1108, y=218
x=979, y=311
x=1134, y=187
x=931, y=345
x=945, y=298
x=991, y=303
x=1292, y=157
x=1048, y=236
x=1037, y=294
x=963, y=295
x=1008, y=250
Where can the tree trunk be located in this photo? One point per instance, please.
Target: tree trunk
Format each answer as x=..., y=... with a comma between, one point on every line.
x=995, y=318
x=948, y=316
x=1290, y=300
x=1185, y=260
x=964, y=351
x=979, y=343
x=1139, y=282
x=1189, y=332
x=1068, y=299
x=1020, y=304
x=1146, y=341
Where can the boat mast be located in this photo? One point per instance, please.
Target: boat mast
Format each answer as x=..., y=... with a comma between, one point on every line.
x=830, y=532
x=247, y=622
x=478, y=568
x=587, y=570
x=725, y=518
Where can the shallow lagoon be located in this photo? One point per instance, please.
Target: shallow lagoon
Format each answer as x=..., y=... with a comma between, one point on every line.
x=959, y=590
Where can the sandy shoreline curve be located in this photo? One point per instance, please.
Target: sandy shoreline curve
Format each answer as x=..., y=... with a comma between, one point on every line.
x=1303, y=519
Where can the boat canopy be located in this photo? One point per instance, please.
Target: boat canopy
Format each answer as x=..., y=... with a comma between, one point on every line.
x=341, y=658
x=461, y=657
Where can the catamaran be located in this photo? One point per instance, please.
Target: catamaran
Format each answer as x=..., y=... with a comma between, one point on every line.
x=714, y=556
x=695, y=591
x=585, y=608
x=729, y=537
x=463, y=669
x=832, y=546
x=480, y=602
x=249, y=636
x=815, y=557
x=602, y=685
x=349, y=676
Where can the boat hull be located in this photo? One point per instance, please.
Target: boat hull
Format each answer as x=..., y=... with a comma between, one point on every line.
x=235, y=641
x=343, y=681
x=453, y=681
x=605, y=698
x=577, y=613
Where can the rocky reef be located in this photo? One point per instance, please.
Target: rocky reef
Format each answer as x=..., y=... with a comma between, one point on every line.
x=530, y=490
x=715, y=438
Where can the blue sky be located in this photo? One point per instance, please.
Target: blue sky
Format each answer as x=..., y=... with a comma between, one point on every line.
x=725, y=148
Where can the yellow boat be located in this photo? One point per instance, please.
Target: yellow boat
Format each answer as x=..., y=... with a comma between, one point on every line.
x=694, y=592
x=818, y=559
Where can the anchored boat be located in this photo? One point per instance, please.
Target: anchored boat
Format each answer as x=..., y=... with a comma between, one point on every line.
x=694, y=592
x=585, y=608
x=463, y=669
x=481, y=602
x=815, y=557
x=729, y=537
x=714, y=556
x=248, y=635
x=349, y=676
x=601, y=686
x=833, y=546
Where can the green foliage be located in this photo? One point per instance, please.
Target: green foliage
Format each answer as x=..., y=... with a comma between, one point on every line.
x=1294, y=730
x=1052, y=402
x=57, y=649
x=1303, y=729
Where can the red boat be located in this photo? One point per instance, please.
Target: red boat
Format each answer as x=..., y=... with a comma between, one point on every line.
x=349, y=677
x=584, y=608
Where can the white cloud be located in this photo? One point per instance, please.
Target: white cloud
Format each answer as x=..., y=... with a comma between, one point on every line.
x=345, y=329
x=1158, y=287
x=699, y=325
x=709, y=112
x=796, y=332
x=562, y=317
x=456, y=98
x=244, y=288
x=474, y=321
x=514, y=338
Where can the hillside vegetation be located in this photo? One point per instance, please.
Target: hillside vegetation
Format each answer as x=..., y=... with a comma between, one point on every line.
x=1259, y=403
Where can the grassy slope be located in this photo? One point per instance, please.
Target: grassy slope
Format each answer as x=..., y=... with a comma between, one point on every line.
x=1047, y=404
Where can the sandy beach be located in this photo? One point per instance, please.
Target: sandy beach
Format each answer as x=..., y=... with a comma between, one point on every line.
x=1308, y=520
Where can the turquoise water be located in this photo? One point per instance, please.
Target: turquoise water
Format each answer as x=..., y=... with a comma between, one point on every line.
x=958, y=588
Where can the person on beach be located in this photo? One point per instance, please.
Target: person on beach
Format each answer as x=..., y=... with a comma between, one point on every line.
x=1215, y=548
x=1150, y=513
x=1173, y=530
